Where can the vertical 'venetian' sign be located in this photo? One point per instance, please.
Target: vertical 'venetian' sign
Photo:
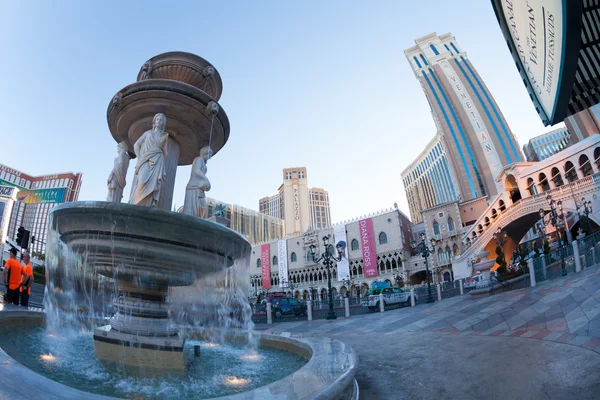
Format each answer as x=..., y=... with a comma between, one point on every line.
x=282, y=262
x=265, y=260
x=367, y=241
x=343, y=266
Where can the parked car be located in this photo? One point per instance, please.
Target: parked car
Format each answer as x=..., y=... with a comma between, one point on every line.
x=471, y=283
x=391, y=296
x=287, y=306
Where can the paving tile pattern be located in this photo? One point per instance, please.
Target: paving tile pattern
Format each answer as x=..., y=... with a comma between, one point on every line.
x=565, y=310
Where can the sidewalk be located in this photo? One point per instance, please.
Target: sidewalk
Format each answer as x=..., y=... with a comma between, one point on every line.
x=531, y=343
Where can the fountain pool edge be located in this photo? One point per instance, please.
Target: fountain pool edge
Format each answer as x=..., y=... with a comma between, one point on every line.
x=328, y=374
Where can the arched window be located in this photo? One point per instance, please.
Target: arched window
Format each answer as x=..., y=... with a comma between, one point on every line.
x=448, y=251
x=293, y=257
x=258, y=263
x=450, y=224
x=480, y=228
x=570, y=172
x=486, y=222
x=456, y=249
x=382, y=238
x=354, y=244
x=494, y=213
x=556, y=177
x=597, y=156
x=275, y=260
x=436, y=228
x=585, y=165
x=543, y=181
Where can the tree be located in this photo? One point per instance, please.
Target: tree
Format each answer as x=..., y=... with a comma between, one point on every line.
x=501, y=261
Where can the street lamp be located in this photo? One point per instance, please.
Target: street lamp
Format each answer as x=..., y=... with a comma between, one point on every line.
x=425, y=252
x=288, y=284
x=587, y=210
x=328, y=260
x=556, y=219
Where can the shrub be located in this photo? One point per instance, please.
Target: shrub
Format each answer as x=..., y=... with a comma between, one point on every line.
x=39, y=274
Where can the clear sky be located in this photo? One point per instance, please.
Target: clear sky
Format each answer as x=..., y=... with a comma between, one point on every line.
x=321, y=84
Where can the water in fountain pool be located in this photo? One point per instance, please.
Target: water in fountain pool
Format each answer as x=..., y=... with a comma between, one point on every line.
x=220, y=370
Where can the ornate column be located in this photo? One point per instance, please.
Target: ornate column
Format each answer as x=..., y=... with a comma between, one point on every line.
x=166, y=191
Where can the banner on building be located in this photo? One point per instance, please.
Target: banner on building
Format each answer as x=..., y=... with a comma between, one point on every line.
x=367, y=241
x=343, y=266
x=28, y=196
x=282, y=262
x=265, y=261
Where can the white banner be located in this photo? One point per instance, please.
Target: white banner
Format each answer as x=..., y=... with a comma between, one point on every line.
x=282, y=263
x=343, y=267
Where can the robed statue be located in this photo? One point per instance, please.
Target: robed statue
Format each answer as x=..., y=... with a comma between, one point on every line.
x=116, y=179
x=195, y=198
x=150, y=171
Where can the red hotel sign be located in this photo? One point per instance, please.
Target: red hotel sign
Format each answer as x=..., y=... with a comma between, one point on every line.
x=368, y=247
x=265, y=261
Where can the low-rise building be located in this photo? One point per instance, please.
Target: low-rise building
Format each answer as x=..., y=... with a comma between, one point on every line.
x=287, y=265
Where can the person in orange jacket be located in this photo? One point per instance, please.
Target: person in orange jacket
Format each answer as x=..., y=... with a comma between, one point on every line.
x=27, y=281
x=13, y=274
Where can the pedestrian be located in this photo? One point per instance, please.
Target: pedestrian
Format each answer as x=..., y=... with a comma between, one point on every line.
x=13, y=273
x=25, y=288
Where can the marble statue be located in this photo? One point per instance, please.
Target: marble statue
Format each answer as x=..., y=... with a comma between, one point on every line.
x=195, y=198
x=151, y=152
x=116, y=179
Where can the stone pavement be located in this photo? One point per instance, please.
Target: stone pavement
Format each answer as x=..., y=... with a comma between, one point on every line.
x=563, y=310
x=531, y=343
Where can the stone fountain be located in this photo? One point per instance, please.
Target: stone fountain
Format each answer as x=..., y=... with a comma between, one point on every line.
x=169, y=117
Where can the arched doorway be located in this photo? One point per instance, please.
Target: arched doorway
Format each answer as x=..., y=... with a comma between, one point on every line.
x=364, y=290
x=323, y=294
x=585, y=166
x=570, y=172
x=334, y=292
x=556, y=177
x=512, y=188
x=344, y=291
x=447, y=277
x=531, y=187
x=305, y=295
x=543, y=181
x=297, y=294
x=418, y=278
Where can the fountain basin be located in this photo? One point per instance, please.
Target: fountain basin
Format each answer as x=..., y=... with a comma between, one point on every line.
x=145, y=251
x=328, y=372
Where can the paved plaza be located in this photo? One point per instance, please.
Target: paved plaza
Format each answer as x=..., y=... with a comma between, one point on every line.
x=541, y=342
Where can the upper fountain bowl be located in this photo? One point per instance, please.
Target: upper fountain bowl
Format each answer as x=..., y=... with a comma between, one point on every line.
x=184, y=67
x=146, y=247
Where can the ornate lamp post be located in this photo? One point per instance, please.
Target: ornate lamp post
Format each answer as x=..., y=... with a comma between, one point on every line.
x=289, y=285
x=587, y=210
x=556, y=218
x=328, y=258
x=500, y=237
x=425, y=252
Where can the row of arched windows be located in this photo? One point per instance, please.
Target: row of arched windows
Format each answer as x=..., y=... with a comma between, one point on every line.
x=570, y=174
x=382, y=240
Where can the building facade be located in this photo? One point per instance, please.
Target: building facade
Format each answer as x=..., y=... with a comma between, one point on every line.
x=474, y=135
x=584, y=124
x=548, y=144
x=299, y=206
x=306, y=280
x=430, y=179
x=36, y=197
x=254, y=226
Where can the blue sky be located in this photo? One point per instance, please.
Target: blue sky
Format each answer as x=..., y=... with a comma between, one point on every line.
x=321, y=84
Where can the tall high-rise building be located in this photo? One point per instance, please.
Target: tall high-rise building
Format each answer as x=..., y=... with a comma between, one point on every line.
x=543, y=146
x=36, y=197
x=299, y=206
x=584, y=124
x=474, y=135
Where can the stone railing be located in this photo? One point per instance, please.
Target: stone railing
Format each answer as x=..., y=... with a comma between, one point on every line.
x=527, y=205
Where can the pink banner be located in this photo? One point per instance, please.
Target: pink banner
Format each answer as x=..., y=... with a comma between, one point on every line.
x=367, y=240
x=265, y=260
